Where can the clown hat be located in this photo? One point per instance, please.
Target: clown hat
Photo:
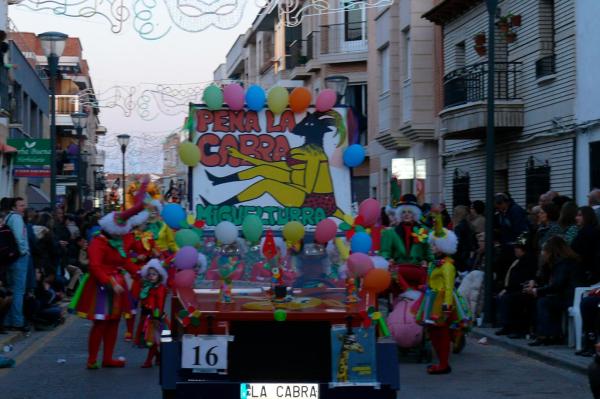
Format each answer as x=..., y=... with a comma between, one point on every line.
x=120, y=223
x=156, y=265
x=444, y=240
x=408, y=202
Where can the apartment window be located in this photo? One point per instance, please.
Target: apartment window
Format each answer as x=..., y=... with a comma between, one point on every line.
x=354, y=21
x=356, y=97
x=546, y=64
x=406, y=55
x=460, y=188
x=459, y=55
x=384, y=69
x=537, y=180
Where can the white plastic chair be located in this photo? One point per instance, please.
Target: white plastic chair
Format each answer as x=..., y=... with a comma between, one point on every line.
x=575, y=321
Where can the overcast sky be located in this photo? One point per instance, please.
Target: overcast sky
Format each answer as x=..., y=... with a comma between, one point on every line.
x=127, y=59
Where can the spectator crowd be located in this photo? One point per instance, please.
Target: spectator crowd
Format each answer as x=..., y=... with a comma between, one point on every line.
x=541, y=255
x=51, y=258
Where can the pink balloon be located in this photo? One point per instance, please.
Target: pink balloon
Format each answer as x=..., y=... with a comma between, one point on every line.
x=326, y=100
x=233, y=94
x=184, y=279
x=359, y=264
x=186, y=258
x=325, y=231
x=369, y=209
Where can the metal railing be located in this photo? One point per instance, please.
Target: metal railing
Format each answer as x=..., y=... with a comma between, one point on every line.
x=545, y=66
x=343, y=38
x=469, y=84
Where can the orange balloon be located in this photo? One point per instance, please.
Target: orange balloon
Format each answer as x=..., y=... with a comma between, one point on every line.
x=377, y=280
x=300, y=99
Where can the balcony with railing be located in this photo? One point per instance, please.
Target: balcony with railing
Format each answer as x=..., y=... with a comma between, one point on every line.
x=296, y=60
x=465, y=100
x=65, y=106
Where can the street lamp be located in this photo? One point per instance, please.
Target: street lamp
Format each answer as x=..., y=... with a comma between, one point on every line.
x=53, y=45
x=123, y=142
x=492, y=6
x=79, y=123
x=338, y=83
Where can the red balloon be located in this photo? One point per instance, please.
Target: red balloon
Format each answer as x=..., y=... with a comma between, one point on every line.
x=185, y=279
x=377, y=280
x=360, y=264
x=369, y=209
x=325, y=231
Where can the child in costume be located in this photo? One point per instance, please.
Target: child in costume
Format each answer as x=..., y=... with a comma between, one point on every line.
x=152, y=295
x=442, y=309
x=102, y=295
x=406, y=245
x=140, y=247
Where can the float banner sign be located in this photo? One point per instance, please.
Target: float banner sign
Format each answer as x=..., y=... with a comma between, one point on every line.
x=31, y=152
x=280, y=167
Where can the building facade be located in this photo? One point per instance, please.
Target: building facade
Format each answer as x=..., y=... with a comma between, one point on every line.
x=535, y=96
x=587, y=111
x=402, y=86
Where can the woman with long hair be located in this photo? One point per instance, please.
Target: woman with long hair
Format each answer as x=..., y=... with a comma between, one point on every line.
x=547, y=225
x=567, y=222
x=587, y=233
x=555, y=292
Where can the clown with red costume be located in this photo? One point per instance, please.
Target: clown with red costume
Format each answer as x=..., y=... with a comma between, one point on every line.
x=102, y=295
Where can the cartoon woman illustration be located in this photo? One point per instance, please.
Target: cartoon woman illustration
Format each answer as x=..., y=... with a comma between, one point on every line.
x=303, y=179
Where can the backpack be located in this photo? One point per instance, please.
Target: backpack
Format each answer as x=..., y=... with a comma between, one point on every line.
x=9, y=250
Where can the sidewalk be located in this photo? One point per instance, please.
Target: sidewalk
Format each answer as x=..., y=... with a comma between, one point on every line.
x=558, y=356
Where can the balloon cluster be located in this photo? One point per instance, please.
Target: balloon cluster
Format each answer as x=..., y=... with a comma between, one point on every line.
x=278, y=98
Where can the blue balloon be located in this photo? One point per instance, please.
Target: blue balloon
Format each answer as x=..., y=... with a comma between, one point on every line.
x=173, y=215
x=361, y=242
x=354, y=155
x=255, y=98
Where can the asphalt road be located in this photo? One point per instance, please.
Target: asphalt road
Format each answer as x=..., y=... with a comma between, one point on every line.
x=479, y=372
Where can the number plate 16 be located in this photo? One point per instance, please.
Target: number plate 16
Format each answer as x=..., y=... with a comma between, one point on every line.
x=207, y=352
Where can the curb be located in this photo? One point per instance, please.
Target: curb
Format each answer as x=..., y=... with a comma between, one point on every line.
x=532, y=353
x=10, y=339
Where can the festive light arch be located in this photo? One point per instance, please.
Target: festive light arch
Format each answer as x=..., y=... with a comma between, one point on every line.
x=154, y=19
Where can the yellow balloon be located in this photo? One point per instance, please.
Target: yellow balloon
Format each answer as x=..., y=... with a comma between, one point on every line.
x=189, y=153
x=348, y=219
x=278, y=99
x=293, y=231
x=191, y=219
x=342, y=248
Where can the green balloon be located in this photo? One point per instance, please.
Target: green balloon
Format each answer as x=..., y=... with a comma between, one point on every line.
x=186, y=237
x=213, y=97
x=252, y=228
x=189, y=153
x=280, y=315
x=278, y=99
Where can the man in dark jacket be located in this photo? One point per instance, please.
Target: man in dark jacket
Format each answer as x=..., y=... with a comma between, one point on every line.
x=516, y=307
x=510, y=222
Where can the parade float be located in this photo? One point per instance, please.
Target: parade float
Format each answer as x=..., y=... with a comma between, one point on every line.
x=276, y=283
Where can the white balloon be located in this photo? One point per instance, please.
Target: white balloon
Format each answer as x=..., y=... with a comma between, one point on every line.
x=202, y=263
x=380, y=262
x=226, y=233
